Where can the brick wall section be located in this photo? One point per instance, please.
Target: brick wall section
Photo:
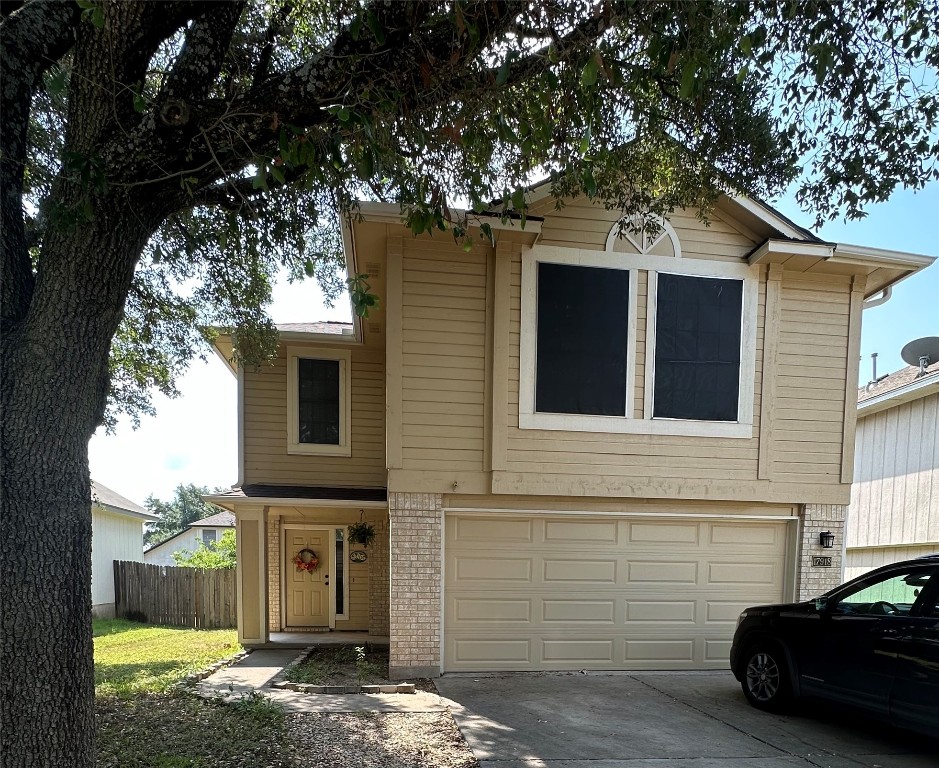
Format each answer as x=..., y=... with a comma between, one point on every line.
x=816, y=518
x=415, y=531
x=378, y=581
x=273, y=575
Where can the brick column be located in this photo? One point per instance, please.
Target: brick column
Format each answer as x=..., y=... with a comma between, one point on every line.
x=275, y=561
x=378, y=578
x=415, y=531
x=816, y=518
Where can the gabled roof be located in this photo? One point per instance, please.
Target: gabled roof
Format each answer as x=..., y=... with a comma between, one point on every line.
x=899, y=387
x=218, y=520
x=112, y=501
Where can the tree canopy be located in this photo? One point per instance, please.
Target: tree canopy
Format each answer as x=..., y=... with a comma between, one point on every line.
x=177, y=514
x=160, y=162
x=218, y=554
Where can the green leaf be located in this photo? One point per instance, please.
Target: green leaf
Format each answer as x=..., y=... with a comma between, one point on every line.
x=588, y=77
x=687, y=79
x=518, y=199
x=343, y=114
x=374, y=25
x=309, y=268
x=742, y=74
x=365, y=168
x=57, y=82
x=355, y=28
x=503, y=74
x=278, y=173
x=486, y=229
x=140, y=104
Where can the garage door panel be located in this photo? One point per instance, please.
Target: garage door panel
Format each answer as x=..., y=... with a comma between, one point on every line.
x=475, y=529
x=578, y=611
x=578, y=571
x=614, y=594
x=567, y=532
x=664, y=533
x=757, y=574
x=492, y=610
x=640, y=571
x=490, y=569
x=669, y=611
x=577, y=651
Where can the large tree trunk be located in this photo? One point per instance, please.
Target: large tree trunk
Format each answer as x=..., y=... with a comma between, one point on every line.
x=54, y=384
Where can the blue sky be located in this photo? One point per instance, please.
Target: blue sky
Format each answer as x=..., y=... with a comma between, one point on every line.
x=193, y=439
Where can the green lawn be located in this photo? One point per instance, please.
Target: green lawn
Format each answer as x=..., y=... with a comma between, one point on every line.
x=132, y=658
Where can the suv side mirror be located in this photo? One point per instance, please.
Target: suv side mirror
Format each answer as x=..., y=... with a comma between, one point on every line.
x=821, y=604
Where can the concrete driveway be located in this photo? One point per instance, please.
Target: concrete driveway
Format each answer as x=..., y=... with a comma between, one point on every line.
x=660, y=720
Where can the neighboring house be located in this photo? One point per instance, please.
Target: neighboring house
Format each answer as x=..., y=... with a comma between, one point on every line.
x=894, y=511
x=116, y=534
x=577, y=450
x=206, y=531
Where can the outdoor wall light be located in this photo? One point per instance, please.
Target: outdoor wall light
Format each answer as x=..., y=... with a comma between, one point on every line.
x=826, y=539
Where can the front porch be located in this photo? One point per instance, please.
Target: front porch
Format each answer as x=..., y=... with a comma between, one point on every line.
x=284, y=602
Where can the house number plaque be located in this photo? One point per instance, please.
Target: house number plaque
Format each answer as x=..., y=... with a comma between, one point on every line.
x=821, y=561
x=360, y=556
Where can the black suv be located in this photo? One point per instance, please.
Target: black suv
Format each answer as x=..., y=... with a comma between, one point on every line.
x=872, y=643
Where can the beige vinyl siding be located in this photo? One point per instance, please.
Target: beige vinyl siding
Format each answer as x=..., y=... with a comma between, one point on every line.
x=811, y=370
x=581, y=224
x=860, y=561
x=113, y=537
x=652, y=456
x=443, y=355
x=266, y=459
x=895, y=497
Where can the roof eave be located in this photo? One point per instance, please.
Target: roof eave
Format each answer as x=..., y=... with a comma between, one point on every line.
x=915, y=390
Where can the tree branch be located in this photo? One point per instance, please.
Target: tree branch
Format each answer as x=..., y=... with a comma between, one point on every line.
x=31, y=40
x=203, y=53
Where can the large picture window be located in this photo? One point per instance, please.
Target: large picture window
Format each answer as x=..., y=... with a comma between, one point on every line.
x=697, y=348
x=586, y=336
x=582, y=344
x=319, y=395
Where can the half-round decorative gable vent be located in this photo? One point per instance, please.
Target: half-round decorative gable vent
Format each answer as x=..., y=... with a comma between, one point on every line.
x=663, y=242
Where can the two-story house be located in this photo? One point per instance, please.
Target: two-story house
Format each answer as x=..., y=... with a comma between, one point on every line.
x=578, y=450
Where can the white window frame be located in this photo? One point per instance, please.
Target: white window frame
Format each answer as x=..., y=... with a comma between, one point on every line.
x=344, y=356
x=528, y=418
x=743, y=426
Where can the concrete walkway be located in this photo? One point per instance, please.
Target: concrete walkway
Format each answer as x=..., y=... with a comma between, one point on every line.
x=255, y=672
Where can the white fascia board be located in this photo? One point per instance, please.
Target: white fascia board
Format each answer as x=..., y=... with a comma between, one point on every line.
x=389, y=213
x=228, y=363
x=145, y=516
x=320, y=338
x=230, y=502
x=348, y=252
x=791, y=248
x=914, y=391
x=768, y=217
x=846, y=253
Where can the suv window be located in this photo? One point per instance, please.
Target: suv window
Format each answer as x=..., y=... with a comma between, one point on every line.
x=890, y=595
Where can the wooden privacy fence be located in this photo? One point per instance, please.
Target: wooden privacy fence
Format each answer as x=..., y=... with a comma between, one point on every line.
x=170, y=595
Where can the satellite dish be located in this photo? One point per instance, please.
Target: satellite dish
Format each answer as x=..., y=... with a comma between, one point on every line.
x=921, y=352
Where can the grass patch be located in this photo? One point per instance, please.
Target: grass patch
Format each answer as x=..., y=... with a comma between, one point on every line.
x=133, y=658
x=185, y=731
x=341, y=665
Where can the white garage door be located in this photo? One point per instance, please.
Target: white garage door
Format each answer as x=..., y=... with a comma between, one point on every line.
x=541, y=593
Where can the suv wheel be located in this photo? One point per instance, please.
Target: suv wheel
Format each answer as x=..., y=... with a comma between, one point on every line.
x=766, y=682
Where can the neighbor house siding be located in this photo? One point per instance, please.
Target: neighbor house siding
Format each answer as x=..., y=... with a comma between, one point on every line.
x=162, y=554
x=895, y=497
x=266, y=459
x=443, y=355
x=114, y=537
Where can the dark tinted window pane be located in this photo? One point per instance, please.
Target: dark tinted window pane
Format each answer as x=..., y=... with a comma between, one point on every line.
x=318, y=389
x=338, y=571
x=697, y=347
x=582, y=344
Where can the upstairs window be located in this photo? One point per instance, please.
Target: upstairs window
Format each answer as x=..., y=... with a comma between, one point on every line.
x=319, y=400
x=582, y=342
x=697, y=348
